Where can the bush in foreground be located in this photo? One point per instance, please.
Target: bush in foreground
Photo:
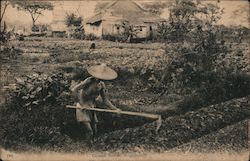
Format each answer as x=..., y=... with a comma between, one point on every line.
x=34, y=113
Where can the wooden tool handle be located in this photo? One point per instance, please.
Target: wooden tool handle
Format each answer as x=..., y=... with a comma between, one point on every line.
x=147, y=115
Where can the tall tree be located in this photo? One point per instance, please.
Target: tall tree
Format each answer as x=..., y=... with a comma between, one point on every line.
x=35, y=8
x=188, y=15
x=4, y=5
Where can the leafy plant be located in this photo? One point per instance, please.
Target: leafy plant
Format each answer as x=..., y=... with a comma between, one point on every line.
x=189, y=16
x=73, y=20
x=119, y=38
x=75, y=24
x=198, y=65
x=90, y=37
x=34, y=113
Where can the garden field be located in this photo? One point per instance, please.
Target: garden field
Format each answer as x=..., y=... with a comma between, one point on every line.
x=36, y=75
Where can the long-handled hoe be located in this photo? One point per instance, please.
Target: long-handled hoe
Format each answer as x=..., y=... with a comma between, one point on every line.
x=146, y=115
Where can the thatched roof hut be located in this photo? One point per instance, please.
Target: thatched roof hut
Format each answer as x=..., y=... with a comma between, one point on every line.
x=110, y=20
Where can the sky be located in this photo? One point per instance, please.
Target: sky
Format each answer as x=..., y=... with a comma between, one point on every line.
x=86, y=9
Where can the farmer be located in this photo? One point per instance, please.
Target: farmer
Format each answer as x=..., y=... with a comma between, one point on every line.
x=87, y=92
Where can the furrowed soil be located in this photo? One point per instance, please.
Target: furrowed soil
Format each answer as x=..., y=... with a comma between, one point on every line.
x=221, y=127
x=181, y=129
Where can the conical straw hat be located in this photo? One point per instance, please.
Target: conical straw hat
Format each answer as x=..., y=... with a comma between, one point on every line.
x=102, y=72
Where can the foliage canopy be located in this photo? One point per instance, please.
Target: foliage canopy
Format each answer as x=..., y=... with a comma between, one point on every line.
x=35, y=8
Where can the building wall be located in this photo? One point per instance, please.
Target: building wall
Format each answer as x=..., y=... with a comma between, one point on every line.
x=146, y=30
x=152, y=30
x=114, y=28
x=107, y=28
x=141, y=31
x=93, y=29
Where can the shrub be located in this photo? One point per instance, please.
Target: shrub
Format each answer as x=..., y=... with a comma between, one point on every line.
x=5, y=35
x=90, y=37
x=119, y=38
x=35, y=112
x=198, y=66
x=79, y=34
x=10, y=52
x=72, y=21
x=184, y=19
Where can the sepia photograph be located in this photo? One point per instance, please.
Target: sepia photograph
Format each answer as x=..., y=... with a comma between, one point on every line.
x=124, y=80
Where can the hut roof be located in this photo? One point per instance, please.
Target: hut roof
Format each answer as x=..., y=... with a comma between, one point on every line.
x=127, y=11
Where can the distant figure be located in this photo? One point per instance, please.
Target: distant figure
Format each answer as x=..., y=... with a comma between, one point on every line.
x=240, y=36
x=92, y=46
x=21, y=37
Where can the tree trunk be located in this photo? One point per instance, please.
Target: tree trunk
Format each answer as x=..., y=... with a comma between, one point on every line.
x=4, y=9
x=33, y=22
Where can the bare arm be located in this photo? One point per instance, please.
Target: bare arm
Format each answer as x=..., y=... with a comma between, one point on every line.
x=79, y=86
x=105, y=99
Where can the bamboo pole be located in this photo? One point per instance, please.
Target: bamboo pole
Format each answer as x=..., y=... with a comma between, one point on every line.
x=147, y=115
